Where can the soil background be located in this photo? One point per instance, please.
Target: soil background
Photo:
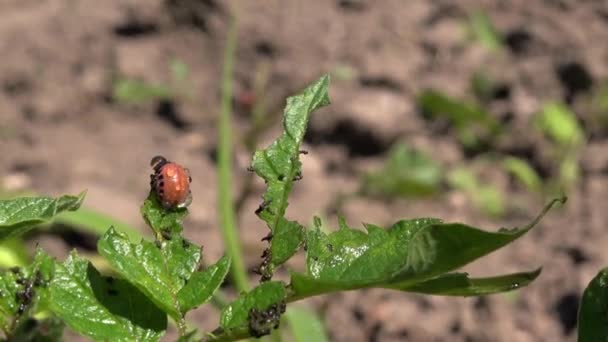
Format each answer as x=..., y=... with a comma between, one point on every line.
x=62, y=131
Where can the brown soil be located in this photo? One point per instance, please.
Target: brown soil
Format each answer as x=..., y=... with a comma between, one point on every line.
x=62, y=131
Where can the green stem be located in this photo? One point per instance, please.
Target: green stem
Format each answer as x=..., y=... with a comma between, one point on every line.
x=226, y=205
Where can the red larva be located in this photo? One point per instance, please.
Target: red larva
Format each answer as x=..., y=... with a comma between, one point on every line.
x=171, y=183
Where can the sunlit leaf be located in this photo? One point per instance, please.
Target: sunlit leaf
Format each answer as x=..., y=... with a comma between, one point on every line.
x=160, y=271
x=18, y=215
x=407, y=253
x=103, y=308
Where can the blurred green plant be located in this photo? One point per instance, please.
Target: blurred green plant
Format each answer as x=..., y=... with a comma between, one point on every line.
x=132, y=91
x=473, y=124
x=560, y=125
x=484, y=196
x=406, y=173
x=524, y=173
x=482, y=30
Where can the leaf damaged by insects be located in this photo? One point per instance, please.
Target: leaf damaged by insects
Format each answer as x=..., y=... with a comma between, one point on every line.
x=279, y=165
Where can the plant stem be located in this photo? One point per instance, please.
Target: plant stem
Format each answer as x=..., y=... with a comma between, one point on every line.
x=226, y=205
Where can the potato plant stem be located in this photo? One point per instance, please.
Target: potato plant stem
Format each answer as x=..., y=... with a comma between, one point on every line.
x=226, y=205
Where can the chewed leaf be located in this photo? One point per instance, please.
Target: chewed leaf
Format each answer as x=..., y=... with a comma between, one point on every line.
x=103, y=308
x=593, y=313
x=160, y=271
x=279, y=165
x=18, y=215
x=408, y=253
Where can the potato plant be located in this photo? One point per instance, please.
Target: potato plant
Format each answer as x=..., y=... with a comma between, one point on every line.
x=168, y=277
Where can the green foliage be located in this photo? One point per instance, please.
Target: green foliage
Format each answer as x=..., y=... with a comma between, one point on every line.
x=473, y=124
x=406, y=173
x=19, y=215
x=593, y=311
x=279, y=165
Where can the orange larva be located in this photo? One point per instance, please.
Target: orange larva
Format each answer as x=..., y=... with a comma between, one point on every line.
x=171, y=183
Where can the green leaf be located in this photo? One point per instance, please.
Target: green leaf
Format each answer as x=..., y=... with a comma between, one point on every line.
x=459, y=284
x=159, y=271
x=103, y=308
x=593, y=313
x=524, y=173
x=279, y=165
x=46, y=330
x=162, y=221
x=95, y=222
x=406, y=173
x=237, y=313
x=18, y=215
x=558, y=122
x=407, y=253
x=202, y=285
x=134, y=91
x=305, y=325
